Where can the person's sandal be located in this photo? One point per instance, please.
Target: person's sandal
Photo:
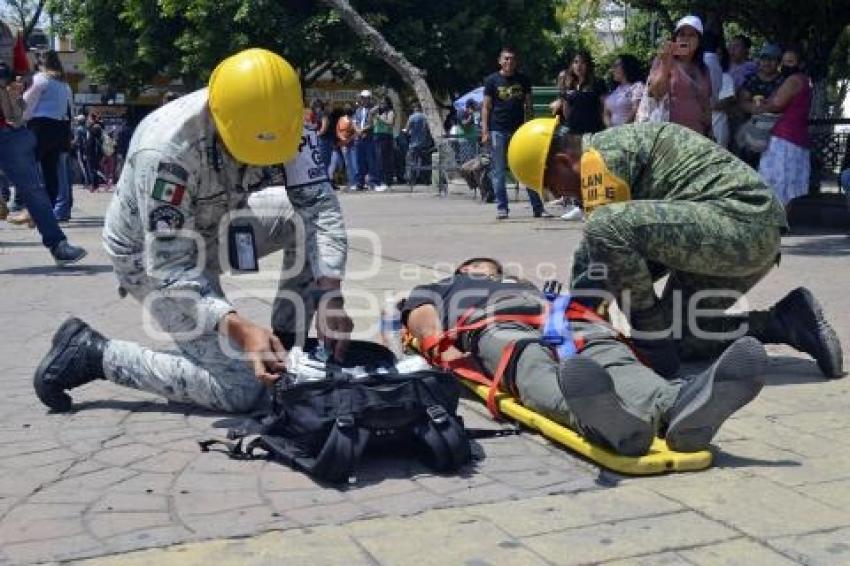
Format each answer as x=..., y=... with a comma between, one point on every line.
x=21, y=219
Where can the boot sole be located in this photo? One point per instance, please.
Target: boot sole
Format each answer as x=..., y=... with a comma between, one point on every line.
x=828, y=354
x=47, y=392
x=590, y=395
x=736, y=380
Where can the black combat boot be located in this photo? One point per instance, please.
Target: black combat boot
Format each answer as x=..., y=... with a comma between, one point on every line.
x=797, y=320
x=76, y=358
x=707, y=399
x=602, y=417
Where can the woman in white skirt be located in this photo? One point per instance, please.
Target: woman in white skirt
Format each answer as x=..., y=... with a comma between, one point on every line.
x=785, y=164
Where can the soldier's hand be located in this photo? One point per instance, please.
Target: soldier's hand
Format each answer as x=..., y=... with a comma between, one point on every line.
x=264, y=351
x=333, y=325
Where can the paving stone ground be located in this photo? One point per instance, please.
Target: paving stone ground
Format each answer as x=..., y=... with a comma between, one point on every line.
x=124, y=473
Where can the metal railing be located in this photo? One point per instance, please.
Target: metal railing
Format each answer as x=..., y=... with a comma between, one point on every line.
x=830, y=150
x=442, y=161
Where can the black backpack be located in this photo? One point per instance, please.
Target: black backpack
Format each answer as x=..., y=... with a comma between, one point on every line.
x=323, y=427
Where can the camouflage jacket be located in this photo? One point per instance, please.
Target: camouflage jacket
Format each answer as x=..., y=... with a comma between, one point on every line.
x=670, y=162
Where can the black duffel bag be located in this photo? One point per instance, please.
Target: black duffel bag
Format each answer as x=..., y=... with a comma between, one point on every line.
x=323, y=427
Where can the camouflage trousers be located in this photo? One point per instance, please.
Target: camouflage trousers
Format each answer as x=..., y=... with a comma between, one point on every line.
x=208, y=370
x=711, y=259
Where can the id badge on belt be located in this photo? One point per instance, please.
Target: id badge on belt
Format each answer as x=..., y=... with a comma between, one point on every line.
x=242, y=248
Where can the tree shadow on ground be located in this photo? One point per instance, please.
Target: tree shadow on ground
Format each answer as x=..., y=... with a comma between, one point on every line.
x=829, y=246
x=53, y=270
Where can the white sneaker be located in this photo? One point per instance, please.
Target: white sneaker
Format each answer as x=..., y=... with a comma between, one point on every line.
x=573, y=214
x=380, y=188
x=556, y=202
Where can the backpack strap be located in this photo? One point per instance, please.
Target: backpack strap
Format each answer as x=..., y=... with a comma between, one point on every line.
x=445, y=442
x=338, y=458
x=335, y=462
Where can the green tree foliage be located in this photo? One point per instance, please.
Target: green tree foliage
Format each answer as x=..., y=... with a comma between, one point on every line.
x=456, y=42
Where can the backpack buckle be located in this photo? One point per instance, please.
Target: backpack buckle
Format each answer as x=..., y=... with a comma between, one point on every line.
x=437, y=414
x=345, y=421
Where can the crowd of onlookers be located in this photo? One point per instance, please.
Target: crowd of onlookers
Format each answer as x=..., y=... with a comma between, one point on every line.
x=358, y=145
x=758, y=109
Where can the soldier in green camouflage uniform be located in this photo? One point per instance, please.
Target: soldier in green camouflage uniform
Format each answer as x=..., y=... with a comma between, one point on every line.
x=686, y=208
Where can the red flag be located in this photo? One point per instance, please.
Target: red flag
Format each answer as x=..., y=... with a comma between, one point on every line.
x=21, y=64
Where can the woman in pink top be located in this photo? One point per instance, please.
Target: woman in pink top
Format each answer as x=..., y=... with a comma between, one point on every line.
x=679, y=71
x=785, y=164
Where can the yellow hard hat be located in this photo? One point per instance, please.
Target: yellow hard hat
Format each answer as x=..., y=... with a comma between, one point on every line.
x=529, y=150
x=255, y=101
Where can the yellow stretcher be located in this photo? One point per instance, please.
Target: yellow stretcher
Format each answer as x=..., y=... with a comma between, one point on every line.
x=659, y=460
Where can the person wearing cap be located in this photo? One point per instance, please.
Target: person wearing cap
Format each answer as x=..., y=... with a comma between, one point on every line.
x=679, y=73
x=663, y=200
x=191, y=204
x=759, y=87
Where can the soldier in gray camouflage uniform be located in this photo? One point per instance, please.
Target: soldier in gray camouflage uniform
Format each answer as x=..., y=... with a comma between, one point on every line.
x=663, y=200
x=165, y=232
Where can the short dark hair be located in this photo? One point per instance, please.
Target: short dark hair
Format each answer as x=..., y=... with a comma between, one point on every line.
x=564, y=140
x=507, y=49
x=631, y=67
x=748, y=43
x=53, y=64
x=490, y=260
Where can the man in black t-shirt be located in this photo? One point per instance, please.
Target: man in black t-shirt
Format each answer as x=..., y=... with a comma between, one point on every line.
x=601, y=390
x=507, y=104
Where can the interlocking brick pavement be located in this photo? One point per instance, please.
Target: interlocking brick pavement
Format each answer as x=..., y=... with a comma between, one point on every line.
x=123, y=472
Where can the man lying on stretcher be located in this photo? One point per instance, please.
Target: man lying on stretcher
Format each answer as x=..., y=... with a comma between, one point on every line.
x=598, y=387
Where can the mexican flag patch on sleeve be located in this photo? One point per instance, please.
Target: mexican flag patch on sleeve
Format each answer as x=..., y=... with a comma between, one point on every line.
x=168, y=191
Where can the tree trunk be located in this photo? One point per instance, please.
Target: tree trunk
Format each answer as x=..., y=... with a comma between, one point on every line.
x=28, y=29
x=411, y=74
